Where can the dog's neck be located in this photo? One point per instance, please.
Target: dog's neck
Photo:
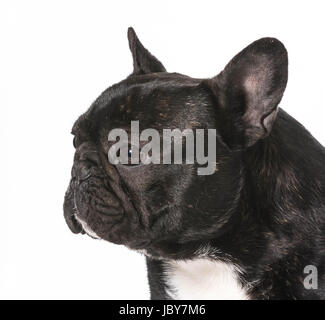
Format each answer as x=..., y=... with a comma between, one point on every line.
x=283, y=181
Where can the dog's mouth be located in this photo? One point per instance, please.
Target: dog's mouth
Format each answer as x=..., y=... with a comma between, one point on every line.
x=70, y=210
x=85, y=219
x=72, y=215
x=85, y=227
x=97, y=205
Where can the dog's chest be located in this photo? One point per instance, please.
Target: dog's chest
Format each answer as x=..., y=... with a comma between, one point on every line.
x=203, y=279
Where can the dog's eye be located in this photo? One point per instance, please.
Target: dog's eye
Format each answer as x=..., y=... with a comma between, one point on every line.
x=118, y=153
x=127, y=155
x=129, y=151
x=132, y=150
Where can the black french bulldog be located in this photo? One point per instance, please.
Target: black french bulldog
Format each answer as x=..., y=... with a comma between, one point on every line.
x=257, y=225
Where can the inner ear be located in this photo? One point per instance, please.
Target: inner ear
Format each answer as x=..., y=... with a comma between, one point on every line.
x=249, y=90
x=143, y=61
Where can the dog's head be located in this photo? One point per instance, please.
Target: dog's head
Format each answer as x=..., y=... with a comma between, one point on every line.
x=160, y=206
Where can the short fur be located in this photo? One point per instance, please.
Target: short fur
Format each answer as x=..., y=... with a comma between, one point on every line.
x=263, y=210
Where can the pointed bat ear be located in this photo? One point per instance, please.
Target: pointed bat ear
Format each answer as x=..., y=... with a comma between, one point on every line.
x=248, y=92
x=143, y=61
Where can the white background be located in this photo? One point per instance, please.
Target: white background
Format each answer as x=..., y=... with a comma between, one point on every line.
x=56, y=57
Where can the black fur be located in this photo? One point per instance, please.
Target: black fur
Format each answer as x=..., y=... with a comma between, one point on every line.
x=263, y=208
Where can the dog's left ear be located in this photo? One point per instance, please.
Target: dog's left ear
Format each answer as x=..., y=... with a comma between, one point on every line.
x=143, y=61
x=248, y=92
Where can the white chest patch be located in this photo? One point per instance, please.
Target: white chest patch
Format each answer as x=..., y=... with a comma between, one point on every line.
x=203, y=279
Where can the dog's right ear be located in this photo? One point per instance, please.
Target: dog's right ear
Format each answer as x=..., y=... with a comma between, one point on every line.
x=143, y=61
x=248, y=92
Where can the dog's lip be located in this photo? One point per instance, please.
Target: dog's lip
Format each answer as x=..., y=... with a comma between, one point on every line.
x=86, y=229
x=76, y=216
x=76, y=212
x=69, y=211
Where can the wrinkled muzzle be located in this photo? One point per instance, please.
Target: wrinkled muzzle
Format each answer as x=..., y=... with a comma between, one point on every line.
x=95, y=201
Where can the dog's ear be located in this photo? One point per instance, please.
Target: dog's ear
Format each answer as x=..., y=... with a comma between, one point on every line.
x=248, y=92
x=143, y=61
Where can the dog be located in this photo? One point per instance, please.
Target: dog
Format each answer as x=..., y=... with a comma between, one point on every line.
x=254, y=229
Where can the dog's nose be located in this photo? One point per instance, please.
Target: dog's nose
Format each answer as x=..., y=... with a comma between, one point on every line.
x=87, y=151
x=87, y=160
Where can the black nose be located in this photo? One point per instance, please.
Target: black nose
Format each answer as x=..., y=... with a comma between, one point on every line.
x=88, y=161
